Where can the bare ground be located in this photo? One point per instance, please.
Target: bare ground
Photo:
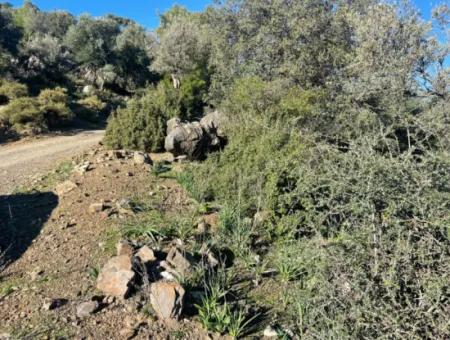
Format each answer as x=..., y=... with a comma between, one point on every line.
x=23, y=160
x=68, y=243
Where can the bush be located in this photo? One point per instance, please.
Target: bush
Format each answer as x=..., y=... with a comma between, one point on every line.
x=11, y=90
x=24, y=115
x=54, y=104
x=29, y=115
x=90, y=108
x=187, y=102
x=140, y=125
x=367, y=221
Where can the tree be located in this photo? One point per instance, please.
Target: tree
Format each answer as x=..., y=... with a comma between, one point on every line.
x=10, y=34
x=91, y=42
x=133, y=56
x=182, y=46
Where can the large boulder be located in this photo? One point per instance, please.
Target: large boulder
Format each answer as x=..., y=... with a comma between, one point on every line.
x=214, y=123
x=196, y=139
x=187, y=139
x=172, y=124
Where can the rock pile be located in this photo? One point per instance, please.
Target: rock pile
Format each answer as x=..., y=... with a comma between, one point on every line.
x=155, y=273
x=196, y=139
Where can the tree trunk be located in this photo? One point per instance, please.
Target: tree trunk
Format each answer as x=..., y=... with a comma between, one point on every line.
x=175, y=81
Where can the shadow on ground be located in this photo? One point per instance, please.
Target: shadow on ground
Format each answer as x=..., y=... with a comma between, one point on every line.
x=22, y=217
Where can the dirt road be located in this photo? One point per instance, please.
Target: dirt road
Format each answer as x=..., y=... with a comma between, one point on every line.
x=21, y=161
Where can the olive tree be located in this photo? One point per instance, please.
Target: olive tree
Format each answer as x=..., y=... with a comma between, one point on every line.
x=182, y=45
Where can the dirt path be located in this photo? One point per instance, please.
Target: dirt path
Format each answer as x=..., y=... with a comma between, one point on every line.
x=21, y=161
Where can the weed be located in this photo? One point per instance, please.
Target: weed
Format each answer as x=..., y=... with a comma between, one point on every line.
x=6, y=289
x=139, y=230
x=186, y=180
x=288, y=271
x=94, y=272
x=239, y=323
x=235, y=231
x=176, y=335
x=160, y=168
x=183, y=227
x=222, y=319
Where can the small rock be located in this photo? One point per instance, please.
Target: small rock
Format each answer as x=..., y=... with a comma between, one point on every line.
x=181, y=262
x=52, y=304
x=269, y=332
x=181, y=159
x=88, y=90
x=65, y=187
x=146, y=255
x=116, y=276
x=167, y=276
x=127, y=333
x=212, y=261
x=35, y=274
x=212, y=220
x=96, y=208
x=87, y=308
x=167, y=299
x=107, y=300
x=208, y=256
x=124, y=247
x=141, y=158
x=81, y=169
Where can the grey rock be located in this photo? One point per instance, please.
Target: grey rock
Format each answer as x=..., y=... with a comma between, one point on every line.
x=196, y=139
x=187, y=139
x=172, y=124
x=87, y=308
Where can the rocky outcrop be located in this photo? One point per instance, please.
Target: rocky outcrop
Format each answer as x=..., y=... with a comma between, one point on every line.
x=196, y=139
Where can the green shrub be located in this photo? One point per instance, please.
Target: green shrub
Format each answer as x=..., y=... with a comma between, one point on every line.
x=24, y=115
x=54, y=105
x=140, y=125
x=187, y=102
x=90, y=108
x=359, y=231
x=11, y=90
x=29, y=115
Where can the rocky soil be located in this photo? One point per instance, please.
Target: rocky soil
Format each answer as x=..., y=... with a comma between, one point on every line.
x=58, y=286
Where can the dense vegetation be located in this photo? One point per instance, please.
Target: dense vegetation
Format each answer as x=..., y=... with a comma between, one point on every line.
x=96, y=62
x=337, y=170
x=338, y=145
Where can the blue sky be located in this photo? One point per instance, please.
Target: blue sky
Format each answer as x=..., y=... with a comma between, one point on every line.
x=143, y=11
x=146, y=11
